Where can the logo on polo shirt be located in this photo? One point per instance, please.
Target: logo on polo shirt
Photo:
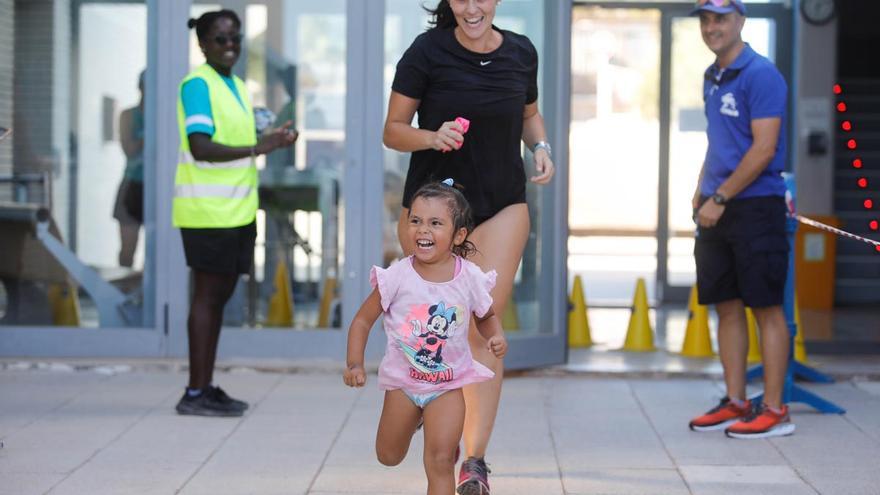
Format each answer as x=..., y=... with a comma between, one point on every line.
x=728, y=105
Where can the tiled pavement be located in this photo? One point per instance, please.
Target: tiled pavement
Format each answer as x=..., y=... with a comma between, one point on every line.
x=106, y=430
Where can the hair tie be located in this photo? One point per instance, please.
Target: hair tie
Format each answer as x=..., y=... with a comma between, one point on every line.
x=448, y=182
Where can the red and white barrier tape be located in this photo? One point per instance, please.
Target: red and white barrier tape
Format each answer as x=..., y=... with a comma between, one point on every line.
x=822, y=226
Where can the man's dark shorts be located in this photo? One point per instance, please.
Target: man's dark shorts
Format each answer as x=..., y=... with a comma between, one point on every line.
x=744, y=256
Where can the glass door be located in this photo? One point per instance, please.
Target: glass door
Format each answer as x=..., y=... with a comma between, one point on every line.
x=78, y=270
x=685, y=133
x=615, y=72
x=638, y=140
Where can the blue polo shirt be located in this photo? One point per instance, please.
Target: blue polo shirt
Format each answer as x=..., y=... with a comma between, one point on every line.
x=750, y=88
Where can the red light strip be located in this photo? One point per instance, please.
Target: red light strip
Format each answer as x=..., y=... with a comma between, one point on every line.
x=862, y=182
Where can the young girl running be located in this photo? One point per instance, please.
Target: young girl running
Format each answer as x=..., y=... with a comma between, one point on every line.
x=427, y=301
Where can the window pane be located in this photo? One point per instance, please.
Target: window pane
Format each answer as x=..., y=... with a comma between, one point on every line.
x=77, y=151
x=614, y=149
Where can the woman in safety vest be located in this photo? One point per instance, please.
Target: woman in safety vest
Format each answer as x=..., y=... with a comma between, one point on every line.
x=215, y=197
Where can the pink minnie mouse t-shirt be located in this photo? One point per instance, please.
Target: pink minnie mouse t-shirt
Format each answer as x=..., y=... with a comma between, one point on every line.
x=426, y=324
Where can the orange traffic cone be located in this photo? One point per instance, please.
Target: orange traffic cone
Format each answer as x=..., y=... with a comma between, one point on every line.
x=639, y=334
x=280, y=313
x=578, y=321
x=697, y=341
x=754, y=342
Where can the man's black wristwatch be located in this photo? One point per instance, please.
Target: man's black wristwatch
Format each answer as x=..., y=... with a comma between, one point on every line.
x=719, y=199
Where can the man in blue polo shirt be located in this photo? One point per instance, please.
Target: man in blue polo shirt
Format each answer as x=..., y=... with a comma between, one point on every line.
x=741, y=248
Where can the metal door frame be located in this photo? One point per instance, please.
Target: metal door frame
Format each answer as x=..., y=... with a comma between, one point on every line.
x=549, y=344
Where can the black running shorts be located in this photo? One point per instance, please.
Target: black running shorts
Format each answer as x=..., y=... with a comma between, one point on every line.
x=745, y=255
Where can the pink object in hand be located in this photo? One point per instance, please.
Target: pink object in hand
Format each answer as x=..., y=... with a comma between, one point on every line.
x=465, y=124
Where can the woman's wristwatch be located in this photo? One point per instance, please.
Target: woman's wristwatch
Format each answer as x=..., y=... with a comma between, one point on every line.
x=545, y=146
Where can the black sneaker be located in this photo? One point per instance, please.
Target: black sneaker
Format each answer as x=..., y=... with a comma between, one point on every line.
x=205, y=404
x=223, y=398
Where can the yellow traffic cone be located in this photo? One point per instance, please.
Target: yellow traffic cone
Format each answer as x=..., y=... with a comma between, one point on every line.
x=64, y=301
x=326, y=298
x=800, y=350
x=754, y=342
x=510, y=318
x=697, y=341
x=280, y=313
x=639, y=334
x=578, y=322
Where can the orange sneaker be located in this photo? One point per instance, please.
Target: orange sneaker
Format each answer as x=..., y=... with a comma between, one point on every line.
x=721, y=416
x=762, y=423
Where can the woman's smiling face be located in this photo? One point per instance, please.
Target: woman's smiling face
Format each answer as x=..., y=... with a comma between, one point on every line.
x=474, y=17
x=222, y=44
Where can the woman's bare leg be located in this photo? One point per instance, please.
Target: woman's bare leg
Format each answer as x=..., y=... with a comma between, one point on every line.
x=500, y=242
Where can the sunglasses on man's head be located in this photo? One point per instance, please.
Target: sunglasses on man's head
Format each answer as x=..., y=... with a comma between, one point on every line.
x=222, y=40
x=719, y=3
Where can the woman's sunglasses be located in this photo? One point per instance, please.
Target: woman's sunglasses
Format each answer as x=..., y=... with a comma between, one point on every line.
x=222, y=40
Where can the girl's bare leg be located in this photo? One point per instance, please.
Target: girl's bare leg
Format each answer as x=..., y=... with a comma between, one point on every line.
x=398, y=423
x=500, y=242
x=444, y=419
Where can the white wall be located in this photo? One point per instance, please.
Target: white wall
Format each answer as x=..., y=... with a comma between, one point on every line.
x=816, y=66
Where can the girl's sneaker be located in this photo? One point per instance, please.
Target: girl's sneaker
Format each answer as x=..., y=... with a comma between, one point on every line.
x=762, y=423
x=473, y=479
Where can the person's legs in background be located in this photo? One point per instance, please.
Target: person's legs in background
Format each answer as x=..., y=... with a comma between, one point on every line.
x=762, y=258
x=128, y=239
x=769, y=418
x=217, y=257
x=210, y=293
x=717, y=284
x=129, y=225
x=775, y=349
x=733, y=346
x=743, y=261
x=201, y=398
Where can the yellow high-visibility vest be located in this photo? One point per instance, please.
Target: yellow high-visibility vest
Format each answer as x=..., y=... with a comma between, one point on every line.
x=217, y=194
